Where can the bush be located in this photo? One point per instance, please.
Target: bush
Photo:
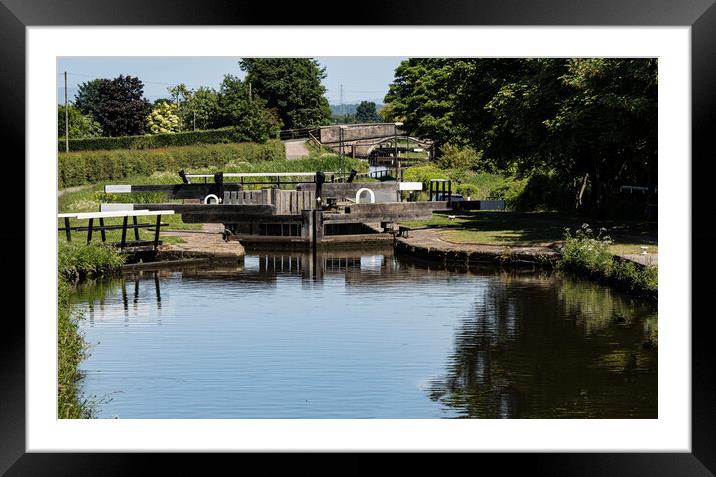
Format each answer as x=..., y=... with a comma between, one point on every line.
x=463, y=158
x=164, y=119
x=589, y=254
x=187, y=138
x=78, y=260
x=78, y=168
x=509, y=191
x=543, y=191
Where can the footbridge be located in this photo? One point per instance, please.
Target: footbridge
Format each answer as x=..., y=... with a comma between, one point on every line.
x=361, y=140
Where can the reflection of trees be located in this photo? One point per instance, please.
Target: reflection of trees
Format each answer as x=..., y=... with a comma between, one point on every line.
x=548, y=348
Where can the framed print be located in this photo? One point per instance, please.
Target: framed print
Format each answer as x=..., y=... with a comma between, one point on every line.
x=566, y=372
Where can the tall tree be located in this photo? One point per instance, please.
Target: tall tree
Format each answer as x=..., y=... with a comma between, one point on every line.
x=366, y=112
x=87, y=96
x=251, y=116
x=424, y=98
x=122, y=109
x=292, y=87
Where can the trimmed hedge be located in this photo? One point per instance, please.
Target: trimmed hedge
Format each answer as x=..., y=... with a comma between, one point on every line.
x=89, y=167
x=187, y=138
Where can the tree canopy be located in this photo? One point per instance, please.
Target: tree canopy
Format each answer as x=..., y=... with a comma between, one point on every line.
x=591, y=122
x=291, y=87
x=80, y=125
x=118, y=105
x=235, y=108
x=366, y=112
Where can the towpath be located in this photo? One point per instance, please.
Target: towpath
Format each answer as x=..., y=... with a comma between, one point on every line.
x=207, y=242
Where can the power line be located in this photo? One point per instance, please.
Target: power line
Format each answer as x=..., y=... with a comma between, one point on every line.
x=143, y=81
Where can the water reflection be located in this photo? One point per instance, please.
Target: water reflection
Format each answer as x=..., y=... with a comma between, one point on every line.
x=348, y=334
x=548, y=347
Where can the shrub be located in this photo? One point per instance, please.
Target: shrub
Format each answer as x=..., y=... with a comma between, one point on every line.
x=186, y=138
x=78, y=168
x=589, y=254
x=164, y=119
x=509, y=191
x=543, y=191
x=468, y=190
x=455, y=157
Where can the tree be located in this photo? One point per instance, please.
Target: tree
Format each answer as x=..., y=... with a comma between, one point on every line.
x=587, y=124
x=87, y=96
x=121, y=108
x=163, y=119
x=203, y=105
x=424, y=98
x=290, y=86
x=366, y=112
x=251, y=116
x=80, y=125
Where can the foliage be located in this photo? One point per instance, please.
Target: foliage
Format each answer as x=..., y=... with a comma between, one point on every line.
x=80, y=125
x=71, y=349
x=163, y=119
x=291, y=87
x=250, y=116
x=187, y=138
x=423, y=96
x=87, y=167
x=478, y=185
x=588, y=253
x=589, y=121
x=366, y=112
x=87, y=97
x=79, y=260
x=463, y=158
x=200, y=109
x=121, y=108
x=76, y=261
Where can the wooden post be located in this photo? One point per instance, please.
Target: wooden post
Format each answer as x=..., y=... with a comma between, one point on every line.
x=156, y=231
x=123, y=243
x=136, y=229
x=102, y=232
x=89, y=231
x=67, y=229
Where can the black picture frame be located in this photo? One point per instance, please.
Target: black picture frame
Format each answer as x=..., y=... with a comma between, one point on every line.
x=700, y=15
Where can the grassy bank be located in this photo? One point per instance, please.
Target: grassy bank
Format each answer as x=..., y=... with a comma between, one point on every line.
x=76, y=262
x=514, y=229
x=585, y=253
x=589, y=254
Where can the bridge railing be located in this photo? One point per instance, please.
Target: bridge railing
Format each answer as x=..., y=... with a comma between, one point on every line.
x=300, y=133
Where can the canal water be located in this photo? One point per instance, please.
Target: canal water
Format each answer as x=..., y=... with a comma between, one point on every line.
x=365, y=335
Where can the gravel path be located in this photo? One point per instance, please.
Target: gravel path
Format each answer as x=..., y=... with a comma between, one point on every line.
x=296, y=149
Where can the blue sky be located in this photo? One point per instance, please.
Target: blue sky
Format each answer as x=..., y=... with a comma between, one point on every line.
x=363, y=78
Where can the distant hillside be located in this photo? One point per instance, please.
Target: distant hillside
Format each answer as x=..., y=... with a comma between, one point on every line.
x=337, y=109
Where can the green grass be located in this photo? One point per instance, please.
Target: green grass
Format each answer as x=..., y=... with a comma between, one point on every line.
x=515, y=229
x=76, y=262
x=71, y=349
x=79, y=261
x=476, y=185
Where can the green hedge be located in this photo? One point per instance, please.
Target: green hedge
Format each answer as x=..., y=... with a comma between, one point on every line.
x=89, y=167
x=188, y=138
